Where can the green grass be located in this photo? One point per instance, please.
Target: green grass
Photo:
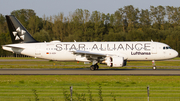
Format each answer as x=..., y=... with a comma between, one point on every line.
x=149, y=63
x=17, y=58
x=56, y=87
x=34, y=63
x=177, y=58
x=126, y=88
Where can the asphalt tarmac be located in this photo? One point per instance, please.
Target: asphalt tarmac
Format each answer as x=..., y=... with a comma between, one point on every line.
x=86, y=71
x=45, y=60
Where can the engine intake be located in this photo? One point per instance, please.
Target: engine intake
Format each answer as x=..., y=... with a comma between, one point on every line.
x=115, y=61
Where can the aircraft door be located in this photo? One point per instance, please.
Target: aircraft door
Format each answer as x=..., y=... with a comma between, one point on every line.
x=153, y=48
x=38, y=51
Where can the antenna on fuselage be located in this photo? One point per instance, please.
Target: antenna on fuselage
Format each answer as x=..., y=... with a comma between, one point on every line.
x=151, y=40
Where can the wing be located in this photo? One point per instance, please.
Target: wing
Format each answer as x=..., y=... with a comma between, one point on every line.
x=89, y=56
x=88, y=53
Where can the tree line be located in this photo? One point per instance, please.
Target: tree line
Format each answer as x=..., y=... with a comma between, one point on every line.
x=159, y=23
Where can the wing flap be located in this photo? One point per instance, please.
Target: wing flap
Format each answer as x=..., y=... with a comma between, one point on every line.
x=87, y=56
x=89, y=53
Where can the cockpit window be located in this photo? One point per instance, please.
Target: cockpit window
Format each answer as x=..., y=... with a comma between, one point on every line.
x=167, y=47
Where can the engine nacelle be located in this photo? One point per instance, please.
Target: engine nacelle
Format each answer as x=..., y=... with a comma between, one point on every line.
x=115, y=61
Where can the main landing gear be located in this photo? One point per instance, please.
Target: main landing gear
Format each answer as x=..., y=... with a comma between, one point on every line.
x=154, y=65
x=94, y=67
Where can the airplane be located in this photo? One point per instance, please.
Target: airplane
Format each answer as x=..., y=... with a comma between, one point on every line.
x=113, y=54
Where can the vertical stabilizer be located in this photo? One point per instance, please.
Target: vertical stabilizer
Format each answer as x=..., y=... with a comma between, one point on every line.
x=18, y=33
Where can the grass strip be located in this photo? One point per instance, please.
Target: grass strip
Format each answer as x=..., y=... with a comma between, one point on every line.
x=56, y=87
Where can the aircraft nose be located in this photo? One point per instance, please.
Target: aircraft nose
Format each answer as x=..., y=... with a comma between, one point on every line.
x=175, y=53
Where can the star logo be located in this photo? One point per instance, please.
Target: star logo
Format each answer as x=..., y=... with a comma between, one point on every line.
x=19, y=34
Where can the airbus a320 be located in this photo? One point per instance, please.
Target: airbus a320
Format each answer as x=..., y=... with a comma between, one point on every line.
x=114, y=54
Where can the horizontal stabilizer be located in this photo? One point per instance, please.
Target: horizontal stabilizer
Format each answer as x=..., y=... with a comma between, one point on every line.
x=17, y=47
x=14, y=49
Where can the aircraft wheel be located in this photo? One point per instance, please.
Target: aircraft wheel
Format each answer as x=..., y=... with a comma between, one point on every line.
x=96, y=67
x=154, y=68
x=92, y=67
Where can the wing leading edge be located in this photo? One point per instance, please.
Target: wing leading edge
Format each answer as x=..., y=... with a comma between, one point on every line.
x=89, y=53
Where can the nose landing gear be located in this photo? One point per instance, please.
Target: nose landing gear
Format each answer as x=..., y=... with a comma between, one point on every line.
x=153, y=65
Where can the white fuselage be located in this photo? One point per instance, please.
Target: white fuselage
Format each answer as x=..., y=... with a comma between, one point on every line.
x=62, y=51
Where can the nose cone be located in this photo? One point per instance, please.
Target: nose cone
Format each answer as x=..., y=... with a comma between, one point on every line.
x=175, y=54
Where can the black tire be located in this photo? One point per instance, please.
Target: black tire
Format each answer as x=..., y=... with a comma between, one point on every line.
x=92, y=67
x=97, y=67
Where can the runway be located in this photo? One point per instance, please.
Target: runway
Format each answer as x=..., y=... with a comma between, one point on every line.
x=86, y=71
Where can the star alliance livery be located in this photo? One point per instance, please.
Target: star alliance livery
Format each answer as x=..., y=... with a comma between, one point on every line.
x=114, y=54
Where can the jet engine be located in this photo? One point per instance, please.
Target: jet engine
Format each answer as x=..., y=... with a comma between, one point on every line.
x=115, y=61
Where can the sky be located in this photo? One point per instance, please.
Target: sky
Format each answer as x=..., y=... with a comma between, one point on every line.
x=54, y=7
